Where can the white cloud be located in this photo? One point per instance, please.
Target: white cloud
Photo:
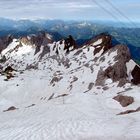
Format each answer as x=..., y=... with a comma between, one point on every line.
x=64, y=9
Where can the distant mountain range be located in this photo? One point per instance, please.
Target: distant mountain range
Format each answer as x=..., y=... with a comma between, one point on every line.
x=82, y=31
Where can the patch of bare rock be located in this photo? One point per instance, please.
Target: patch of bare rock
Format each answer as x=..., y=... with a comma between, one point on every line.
x=12, y=108
x=124, y=100
x=129, y=111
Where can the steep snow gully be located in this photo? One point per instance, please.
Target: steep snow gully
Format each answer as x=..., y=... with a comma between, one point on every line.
x=58, y=91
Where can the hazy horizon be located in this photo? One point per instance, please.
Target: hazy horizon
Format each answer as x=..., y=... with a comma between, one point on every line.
x=65, y=20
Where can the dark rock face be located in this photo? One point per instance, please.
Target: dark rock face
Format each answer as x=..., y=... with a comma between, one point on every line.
x=8, y=69
x=3, y=59
x=123, y=53
x=136, y=75
x=40, y=40
x=69, y=45
x=69, y=42
x=117, y=72
x=124, y=100
x=5, y=41
x=8, y=72
x=101, y=77
x=105, y=45
x=46, y=50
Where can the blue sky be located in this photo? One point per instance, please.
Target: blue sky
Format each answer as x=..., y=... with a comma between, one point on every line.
x=70, y=9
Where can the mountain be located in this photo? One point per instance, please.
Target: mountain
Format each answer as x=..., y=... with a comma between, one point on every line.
x=82, y=31
x=56, y=90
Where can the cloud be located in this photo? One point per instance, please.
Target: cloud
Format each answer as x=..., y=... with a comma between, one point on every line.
x=65, y=9
x=41, y=8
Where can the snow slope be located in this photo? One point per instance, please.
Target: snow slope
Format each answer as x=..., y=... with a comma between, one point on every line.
x=56, y=97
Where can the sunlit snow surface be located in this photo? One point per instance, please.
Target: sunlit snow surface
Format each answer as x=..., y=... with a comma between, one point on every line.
x=81, y=115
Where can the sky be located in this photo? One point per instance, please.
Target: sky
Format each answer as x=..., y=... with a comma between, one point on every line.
x=71, y=9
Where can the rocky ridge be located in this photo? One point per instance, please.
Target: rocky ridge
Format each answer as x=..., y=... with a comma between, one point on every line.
x=33, y=51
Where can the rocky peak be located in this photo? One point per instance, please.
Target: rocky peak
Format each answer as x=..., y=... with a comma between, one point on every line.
x=69, y=43
x=5, y=41
x=65, y=46
x=41, y=39
x=102, y=41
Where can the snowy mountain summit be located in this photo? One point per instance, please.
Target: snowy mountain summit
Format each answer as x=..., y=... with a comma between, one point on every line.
x=58, y=90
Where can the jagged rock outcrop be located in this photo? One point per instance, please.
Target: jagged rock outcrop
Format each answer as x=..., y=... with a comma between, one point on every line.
x=8, y=72
x=136, y=75
x=38, y=40
x=42, y=39
x=5, y=41
x=3, y=59
x=69, y=45
x=69, y=42
x=8, y=69
x=118, y=71
x=102, y=41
